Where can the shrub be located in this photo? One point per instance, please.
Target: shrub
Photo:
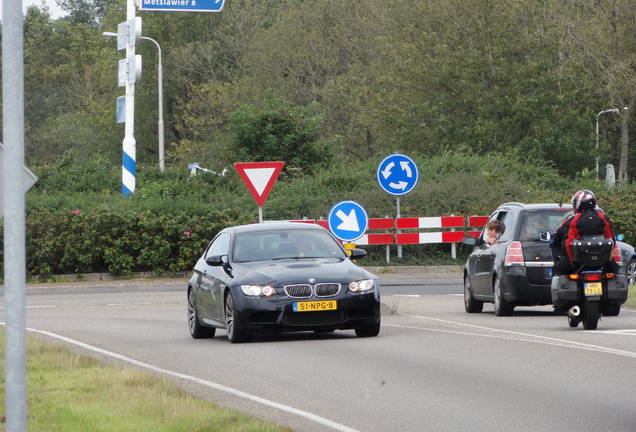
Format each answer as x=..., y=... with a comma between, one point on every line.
x=619, y=206
x=63, y=242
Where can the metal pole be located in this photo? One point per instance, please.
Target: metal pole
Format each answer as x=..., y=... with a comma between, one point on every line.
x=129, y=145
x=397, y=216
x=160, y=126
x=160, y=123
x=14, y=214
x=614, y=110
x=597, y=147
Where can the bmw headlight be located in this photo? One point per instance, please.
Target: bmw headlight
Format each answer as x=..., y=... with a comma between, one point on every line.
x=258, y=290
x=361, y=285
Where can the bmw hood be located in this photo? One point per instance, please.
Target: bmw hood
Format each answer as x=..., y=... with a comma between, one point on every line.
x=286, y=272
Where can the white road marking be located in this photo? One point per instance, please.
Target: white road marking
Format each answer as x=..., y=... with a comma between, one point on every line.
x=628, y=332
x=138, y=303
x=507, y=334
x=276, y=405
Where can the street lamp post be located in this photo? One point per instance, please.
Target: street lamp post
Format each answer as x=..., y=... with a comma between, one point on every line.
x=160, y=91
x=613, y=110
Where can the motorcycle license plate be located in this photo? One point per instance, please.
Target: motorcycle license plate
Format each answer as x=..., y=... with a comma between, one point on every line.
x=593, y=288
x=315, y=306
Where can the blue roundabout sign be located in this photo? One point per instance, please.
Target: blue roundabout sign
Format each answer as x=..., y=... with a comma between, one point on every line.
x=397, y=174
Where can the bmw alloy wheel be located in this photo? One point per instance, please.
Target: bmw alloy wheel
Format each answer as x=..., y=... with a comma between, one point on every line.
x=197, y=331
x=233, y=326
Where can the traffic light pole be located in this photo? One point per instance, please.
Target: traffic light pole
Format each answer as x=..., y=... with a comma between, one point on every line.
x=129, y=155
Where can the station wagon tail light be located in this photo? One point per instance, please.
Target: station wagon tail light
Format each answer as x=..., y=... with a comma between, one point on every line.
x=361, y=285
x=616, y=254
x=258, y=290
x=514, y=254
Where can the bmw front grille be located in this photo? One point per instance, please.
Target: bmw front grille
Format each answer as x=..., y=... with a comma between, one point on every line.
x=306, y=290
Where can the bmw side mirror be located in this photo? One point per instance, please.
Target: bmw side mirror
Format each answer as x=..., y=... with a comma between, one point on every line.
x=215, y=260
x=545, y=236
x=357, y=254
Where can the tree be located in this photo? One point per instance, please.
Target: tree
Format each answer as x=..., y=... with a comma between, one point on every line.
x=204, y=117
x=88, y=12
x=280, y=132
x=596, y=40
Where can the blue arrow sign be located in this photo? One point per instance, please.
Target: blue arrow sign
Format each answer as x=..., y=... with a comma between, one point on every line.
x=348, y=221
x=183, y=5
x=397, y=174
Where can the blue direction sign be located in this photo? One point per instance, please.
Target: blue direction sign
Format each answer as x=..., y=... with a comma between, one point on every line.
x=183, y=5
x=397, y=174
x=348, y=221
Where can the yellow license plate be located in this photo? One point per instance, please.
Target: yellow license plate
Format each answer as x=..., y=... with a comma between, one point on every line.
x=594, y=288
x=315, y=306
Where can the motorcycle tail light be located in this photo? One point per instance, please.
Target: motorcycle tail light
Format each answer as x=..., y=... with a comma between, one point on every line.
x=514, y=254
x=592, y=276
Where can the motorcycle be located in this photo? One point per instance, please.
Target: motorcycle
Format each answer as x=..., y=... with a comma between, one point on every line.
x=590, y=290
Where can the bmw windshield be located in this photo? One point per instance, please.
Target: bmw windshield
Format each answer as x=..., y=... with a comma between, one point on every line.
x=289, y=244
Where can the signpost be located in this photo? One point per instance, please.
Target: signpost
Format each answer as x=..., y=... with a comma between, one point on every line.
x=183, y=5
x=397, y=175
x=259, y=177
x=348, y=221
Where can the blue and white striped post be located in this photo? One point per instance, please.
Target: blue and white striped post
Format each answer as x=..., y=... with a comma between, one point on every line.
x=129, y=166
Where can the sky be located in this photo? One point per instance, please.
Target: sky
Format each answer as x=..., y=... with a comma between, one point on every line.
x=55, y=10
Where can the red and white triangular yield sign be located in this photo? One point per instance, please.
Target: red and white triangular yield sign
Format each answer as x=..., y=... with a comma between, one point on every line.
x=259, y=177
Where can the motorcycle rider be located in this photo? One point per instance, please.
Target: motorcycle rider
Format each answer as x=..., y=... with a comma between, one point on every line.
x=585, y=220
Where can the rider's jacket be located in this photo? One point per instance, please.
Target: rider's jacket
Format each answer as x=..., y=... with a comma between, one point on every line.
x=586, y=222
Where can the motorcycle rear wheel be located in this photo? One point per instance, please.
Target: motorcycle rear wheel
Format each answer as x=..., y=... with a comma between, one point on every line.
x=591, y=315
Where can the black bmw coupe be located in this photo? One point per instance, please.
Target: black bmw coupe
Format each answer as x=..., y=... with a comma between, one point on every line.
x=281, y=277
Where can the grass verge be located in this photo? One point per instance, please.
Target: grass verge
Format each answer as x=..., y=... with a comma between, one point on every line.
x=631, y=297
x=70, y=392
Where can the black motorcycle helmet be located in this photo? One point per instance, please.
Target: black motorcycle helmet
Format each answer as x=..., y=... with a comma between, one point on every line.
x=583, y=200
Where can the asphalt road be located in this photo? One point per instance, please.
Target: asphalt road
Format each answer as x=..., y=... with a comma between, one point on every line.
x=433, y=367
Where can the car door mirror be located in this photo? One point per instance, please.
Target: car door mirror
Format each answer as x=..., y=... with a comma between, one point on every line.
x=545, y=236
x=215, y=260
x=470, y=241
x=357, y=253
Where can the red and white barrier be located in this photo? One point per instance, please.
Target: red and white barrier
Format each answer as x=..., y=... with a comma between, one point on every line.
x=431, y=237
x=395, y=236
x=476, y=222
x=416, y=223
x=431, y=222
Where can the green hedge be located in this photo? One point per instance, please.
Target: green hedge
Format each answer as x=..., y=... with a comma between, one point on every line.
x=71, y=242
